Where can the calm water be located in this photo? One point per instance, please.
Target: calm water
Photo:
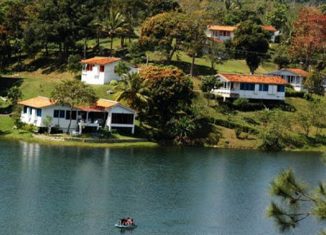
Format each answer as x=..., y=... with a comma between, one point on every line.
x=61, y=190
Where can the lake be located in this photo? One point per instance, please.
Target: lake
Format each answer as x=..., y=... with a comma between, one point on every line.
x=67, y=190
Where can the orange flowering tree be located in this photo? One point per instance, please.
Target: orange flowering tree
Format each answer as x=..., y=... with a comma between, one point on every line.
x=309, y=38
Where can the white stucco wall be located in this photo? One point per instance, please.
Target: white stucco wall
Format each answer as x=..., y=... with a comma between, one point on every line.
x=297, y=84
x=271, y=94
x=96, y=77
x=62, y=123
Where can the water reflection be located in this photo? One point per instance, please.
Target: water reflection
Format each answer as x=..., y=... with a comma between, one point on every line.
x=59, y=190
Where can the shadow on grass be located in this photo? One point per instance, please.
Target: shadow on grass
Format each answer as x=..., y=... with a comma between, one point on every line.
x=47, y=64
x=7, y=83
x=185, y=67
x=198, y=69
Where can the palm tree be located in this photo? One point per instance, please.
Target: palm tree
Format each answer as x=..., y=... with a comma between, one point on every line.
x=133, y=90
x=113, y=23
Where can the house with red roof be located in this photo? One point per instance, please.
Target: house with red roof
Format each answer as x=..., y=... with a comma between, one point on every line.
x=105, y=113
x=222, y=33
x=99, y=70
x=294, y=76
x=262, y=87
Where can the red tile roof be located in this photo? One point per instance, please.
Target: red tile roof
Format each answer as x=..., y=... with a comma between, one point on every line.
x=100, y=60
x=233, y=28
x=222, y=28
x=42, y=102
x=37, y=102
x=269, y=28
x=297, y=71
x=258, y=79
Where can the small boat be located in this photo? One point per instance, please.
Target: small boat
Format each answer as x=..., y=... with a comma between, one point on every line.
x=122, y=226
x=126, y=223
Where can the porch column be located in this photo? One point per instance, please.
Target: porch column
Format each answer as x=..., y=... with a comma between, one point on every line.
x=86, y=121
x=133, y=126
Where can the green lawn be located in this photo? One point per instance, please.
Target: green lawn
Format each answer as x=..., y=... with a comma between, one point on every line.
x=203, y=64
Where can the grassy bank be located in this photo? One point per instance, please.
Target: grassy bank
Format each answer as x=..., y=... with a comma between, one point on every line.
x=7, y=132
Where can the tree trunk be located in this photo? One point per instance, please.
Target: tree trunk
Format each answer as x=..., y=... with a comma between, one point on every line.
x=170, y=55
x=122, y=42
x=192, y=65
x=98, y=38
x=85, y=48
x=111, y=45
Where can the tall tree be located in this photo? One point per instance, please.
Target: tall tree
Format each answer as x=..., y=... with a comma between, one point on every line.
x=73, y=93
x=309, y=38
x=133, y=90
x=163, y=32
x=250, y=43
x=170, y=94
x=114, y=23
x=297, y=202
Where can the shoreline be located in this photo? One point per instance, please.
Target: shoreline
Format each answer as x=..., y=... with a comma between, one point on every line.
x=65, y=143
x=137, y=144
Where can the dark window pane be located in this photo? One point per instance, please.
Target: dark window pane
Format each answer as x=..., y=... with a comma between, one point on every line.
x=280, y=88
x=62, y=113
x=122, y=118
x=67, y=115
x=56, y=113
x=25, y=109
x=39, y=112
x=101, y=68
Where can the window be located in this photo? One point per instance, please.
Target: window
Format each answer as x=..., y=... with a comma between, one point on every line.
x=73, y=116
x=101, y=68
x=39, y=112
x=263, y=87
x=56, y=113
x=247, y=86
x=25, y=109
x=122, y=118
x=89, y=67
x=62, y=113
x=30, y=110
x=280, y=88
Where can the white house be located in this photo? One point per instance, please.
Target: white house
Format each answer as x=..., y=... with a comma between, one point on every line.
x=251, y=87
x=294, y=76
x=99, y=70
x=221, y=33
x=105, y=113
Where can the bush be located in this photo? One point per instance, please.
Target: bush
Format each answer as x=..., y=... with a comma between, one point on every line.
x=290, y=92
x=105, y=133
x=241, y=102
x=272, y=140
x=208, y=83
x=29, y=128
x=121, y=68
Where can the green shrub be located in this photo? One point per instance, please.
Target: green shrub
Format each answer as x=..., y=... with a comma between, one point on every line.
x=272, y=140
x=105, y=133
x=209, y=82
x=241, y=102
x=290, y=92
x=29, y=128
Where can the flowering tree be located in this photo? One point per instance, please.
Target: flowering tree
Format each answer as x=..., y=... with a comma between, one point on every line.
x=309, y=38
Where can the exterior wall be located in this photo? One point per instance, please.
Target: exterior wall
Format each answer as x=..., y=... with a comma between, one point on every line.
x=61, y=123
x=296, y=83
x=99, y=78
x=122, y=110
x=215, y=34
x=271, y=94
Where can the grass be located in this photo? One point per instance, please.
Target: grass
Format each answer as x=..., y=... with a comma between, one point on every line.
x=182, y=60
